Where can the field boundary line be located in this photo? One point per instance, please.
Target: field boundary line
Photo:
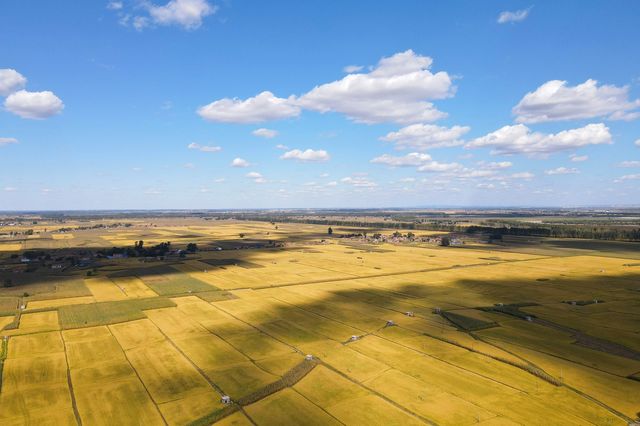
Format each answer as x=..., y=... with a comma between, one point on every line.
x=74, y=405
x=138, y=376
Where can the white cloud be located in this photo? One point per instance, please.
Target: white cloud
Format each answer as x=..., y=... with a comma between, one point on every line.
x=628, y=177
x=407, y=180
x=562, y=171
x=629, y=164
x=396, y=90
x=204, y=148
x=10, y=189
x=426, y=136
x=519, y=139
x=308, y=155
x=485, y=186
x=578, y=158
x=350, y=69
x=189, y=166
x=283, y=147
x=523, y=175
x=332, y=183
x=256, y=177
x=8, y=141
x=114, y=5
x=399, y=89
x=219, y=180
x=262, y=107
x=496, y=165
x=359, y=181
x=436, y=167
x=637, y=143
x=554, y=101
x=517, y=16
x=409, y=160
x=239, y=162
x=11, y=81
x=265, y=133
x=35, y=105
x=185, y=13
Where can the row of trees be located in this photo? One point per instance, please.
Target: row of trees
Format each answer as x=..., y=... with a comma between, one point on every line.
x=601, y=232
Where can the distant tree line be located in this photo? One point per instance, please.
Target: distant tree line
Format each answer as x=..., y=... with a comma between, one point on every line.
x=590, y=231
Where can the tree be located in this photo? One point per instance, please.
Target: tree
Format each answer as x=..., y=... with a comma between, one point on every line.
x=241, y=235
x=330, y=231
x=445, y=242
x=192, y=247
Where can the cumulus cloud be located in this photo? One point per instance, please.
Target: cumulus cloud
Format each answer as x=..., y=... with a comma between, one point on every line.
x=410, y=160
x=308, y=155
x=437, y=167
x=256, y=177
x=399, y=89
x=188, y=14
x=562, y=171
x=185, y=13
x=578, y=158
x=240, y=162
x=11, y=81
x=396, y=90
x=426, y=136
x=628, y=177
x=265, y=133
x=204, y=148
x=350, y=69
x=554, y=101
x=523, y=175
x=495, y=165
x=516, y=16
x=34, y=105
x=519, y=139
x=283, y=147
x=8, y=141
x=263, y=107
x=114, y=5
x=629, y=164
x=637, y=143
x=359, y=181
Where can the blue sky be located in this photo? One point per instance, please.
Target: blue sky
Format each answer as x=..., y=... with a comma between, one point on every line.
x=132, y=104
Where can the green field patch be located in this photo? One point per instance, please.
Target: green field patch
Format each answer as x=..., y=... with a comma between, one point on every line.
x=467, y=323
x=232, y=262
x=103, y=313
x=165, y=280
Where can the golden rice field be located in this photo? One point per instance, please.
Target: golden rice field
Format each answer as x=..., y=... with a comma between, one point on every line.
x=398, y=334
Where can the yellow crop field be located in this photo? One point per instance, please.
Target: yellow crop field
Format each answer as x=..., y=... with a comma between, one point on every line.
x=338, y=331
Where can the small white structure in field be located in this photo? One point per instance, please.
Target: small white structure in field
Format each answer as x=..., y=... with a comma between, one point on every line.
x=390, y=323
x=528, y=318
x=409, y=313
x=499, y=304
x=354, y=338
x=437, y=310
x=226, y=399
x=308, y=357
x=595, y=301
x=573, y=302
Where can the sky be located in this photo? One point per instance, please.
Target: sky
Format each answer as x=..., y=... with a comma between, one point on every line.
x=203, y=104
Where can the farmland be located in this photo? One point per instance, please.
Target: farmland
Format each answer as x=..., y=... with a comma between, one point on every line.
x=297, y=326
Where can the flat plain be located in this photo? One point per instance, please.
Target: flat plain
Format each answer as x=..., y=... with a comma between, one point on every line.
x=300, y=327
